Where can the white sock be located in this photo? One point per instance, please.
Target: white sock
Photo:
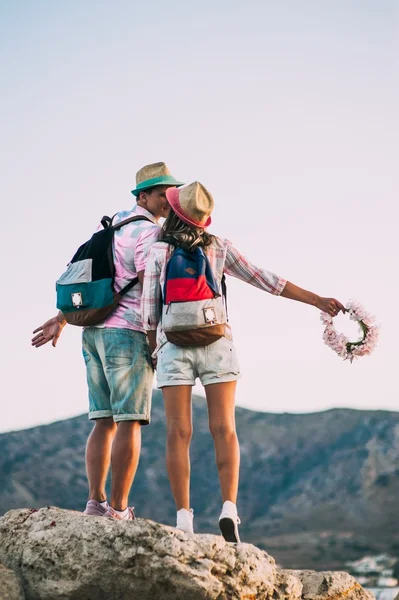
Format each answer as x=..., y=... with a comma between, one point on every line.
x=104, y=504
x=229, y=509
x=184, y=520
x=230, y=505
x=185, y=511
x=122, y=513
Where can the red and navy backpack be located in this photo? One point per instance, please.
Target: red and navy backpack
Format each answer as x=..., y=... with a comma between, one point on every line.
x=193, y=312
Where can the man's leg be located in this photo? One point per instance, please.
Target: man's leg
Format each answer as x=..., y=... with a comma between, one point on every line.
x=124, y=461
x=98, y=448
x=98, y=457
x=129, y=374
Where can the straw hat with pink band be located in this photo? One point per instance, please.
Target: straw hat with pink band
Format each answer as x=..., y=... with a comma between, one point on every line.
x=192, y=203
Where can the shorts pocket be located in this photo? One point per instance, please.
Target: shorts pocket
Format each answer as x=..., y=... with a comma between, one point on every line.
x=221, y=356
x=171, y=358
x=119, y=348
x=86, y=356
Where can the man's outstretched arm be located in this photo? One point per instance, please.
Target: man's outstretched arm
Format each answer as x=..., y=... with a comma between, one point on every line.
x=50, y=331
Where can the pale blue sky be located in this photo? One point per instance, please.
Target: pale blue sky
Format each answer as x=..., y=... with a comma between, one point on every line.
x=286, y=111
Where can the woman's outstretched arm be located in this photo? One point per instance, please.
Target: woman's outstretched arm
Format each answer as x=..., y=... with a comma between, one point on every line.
x=328, y=305
x=238, y=266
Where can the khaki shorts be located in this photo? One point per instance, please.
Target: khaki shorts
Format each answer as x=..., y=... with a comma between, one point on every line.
x=216, y=363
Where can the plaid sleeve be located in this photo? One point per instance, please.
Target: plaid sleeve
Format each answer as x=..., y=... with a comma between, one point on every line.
x=238, y=266
x=144, y=242
x=151, y=296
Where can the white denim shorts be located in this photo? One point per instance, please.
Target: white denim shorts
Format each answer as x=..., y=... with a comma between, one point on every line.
x=216, y=363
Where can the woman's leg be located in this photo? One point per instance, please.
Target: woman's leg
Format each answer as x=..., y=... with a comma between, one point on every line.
x=220, y=398
x=177, y=401
x=221, y=405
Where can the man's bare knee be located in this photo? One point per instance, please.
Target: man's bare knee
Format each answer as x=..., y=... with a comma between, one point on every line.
x=107, y=424
x=129, y=424
x=128, y=428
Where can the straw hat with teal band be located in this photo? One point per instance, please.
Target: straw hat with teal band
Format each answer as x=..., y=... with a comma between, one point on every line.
x=154, y=174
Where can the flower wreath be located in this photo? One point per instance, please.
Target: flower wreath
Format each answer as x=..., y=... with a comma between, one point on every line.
x=340, y=343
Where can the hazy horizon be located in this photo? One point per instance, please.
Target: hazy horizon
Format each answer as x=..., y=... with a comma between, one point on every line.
x=198, y=394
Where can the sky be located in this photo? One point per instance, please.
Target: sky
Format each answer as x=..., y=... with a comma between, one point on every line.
x=286, y=111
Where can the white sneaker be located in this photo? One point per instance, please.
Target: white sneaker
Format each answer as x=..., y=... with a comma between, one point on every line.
x=184, y=520
x=229, y=521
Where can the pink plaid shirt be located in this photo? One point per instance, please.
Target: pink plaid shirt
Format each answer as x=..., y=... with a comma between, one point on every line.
x=131, y=245
x=223, y=258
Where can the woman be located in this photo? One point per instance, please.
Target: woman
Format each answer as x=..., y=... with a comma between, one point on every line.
x=216, y=364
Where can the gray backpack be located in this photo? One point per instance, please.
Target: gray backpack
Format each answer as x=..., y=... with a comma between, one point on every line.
x=193, y=310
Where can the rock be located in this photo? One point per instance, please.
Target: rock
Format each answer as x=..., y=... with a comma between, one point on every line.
x=10, y=588
x=326, y=585
x=60, y=554
x=287, y=586
x=65, y=555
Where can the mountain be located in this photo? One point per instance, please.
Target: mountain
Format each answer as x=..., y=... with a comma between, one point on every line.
x=316, y=490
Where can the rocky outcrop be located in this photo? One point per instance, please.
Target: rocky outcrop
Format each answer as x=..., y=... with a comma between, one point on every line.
x=64, y=555
x=327, y=585
x=10, y=588
x=287, y=587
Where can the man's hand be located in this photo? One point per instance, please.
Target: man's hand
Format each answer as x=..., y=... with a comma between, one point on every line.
x=50, y=331
x=330, y=306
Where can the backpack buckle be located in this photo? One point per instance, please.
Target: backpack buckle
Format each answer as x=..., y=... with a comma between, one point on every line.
x=209, y=314
x=77, y=299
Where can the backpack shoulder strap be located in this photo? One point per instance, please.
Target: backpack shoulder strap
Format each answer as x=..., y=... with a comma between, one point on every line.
x=130, y=220
x=106, y=221
x=224, y=294
x=128, y=287
x=134, y=281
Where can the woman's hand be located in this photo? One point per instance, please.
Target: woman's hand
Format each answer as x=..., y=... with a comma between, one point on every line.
x=327, y=305
x=152, y=342
x=330, y=306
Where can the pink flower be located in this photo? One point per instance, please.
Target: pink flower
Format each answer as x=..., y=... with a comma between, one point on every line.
x=340, y=343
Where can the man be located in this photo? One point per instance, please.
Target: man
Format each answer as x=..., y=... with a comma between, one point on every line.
x=118, y=362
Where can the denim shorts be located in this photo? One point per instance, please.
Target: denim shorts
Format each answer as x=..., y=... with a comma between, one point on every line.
x=216, y=363
x=119, y=373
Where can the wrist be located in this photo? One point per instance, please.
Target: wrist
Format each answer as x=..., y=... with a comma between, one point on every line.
x=61, y=319
x=316, y=301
